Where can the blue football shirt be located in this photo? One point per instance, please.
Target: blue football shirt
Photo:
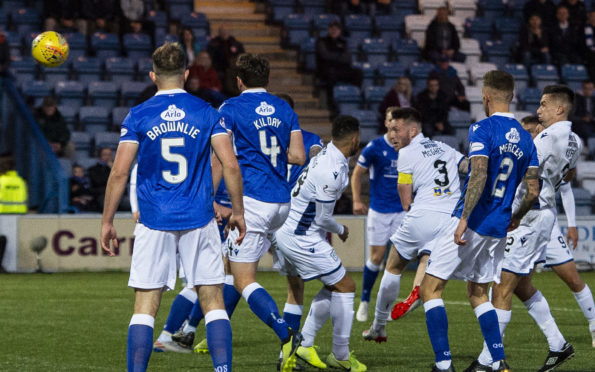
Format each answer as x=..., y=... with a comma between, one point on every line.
x=310, y=140
x=261, y=124
x=380, y=158
x=510, y=151
x=174, y=182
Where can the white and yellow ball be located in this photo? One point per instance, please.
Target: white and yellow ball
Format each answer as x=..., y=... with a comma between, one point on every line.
x=50, y=49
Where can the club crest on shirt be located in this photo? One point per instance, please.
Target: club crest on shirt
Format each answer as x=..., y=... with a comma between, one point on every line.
x=173, y=114
x=265, y=109
x=384, y=153
x=513, y=136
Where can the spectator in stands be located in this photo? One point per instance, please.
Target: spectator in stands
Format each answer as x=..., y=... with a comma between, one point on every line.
x=577, y=11
x=99, y=173
x=4, y=54
x=54, y=128
x=63, y=16
x=204, y=70
x=566, y=43
x=147, y=93
x=442, y=38
x=432, y=103
x=583, y=117
x=534, y=43
x=400, y=95
x=132, y=18
x=194, y=87
x=80, y=190
x=190, y=45
x=546, y=9
x=13, y=188
x=450, y=83
x=224, y=50
x=99, y=15
x=333, y=61
x=590, y=43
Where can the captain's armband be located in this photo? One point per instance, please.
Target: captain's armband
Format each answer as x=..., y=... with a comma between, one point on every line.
x=405, y=179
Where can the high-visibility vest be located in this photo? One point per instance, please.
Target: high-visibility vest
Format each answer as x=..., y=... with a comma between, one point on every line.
x=13, y=193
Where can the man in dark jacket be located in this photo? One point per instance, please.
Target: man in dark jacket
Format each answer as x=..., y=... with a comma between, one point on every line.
x=99, y=174
x=432, y=103
x=224, y=50
x=54, y=128
x=450, y=84
x=546, y=9
x=566, y=40
x=583, y=117
x=442, y=38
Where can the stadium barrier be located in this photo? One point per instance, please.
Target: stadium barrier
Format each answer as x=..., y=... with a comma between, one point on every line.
x=19, y=133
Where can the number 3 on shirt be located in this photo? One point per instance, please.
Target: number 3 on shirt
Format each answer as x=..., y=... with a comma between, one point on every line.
x=272, y=151
x=166, y=145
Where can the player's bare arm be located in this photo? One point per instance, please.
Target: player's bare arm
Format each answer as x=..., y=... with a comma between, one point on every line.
x=296, y=154
x=406, y=195
x=464, y=166
x=356, y=190
x=116, y=184
x=314, y=150
x=233, y=181
x=531, y=180
x=216, y=170
x=477, y=180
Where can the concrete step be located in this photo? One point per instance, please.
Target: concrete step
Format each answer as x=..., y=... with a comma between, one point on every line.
x=224, y=7
x=233, y=18
x=296, y=89
x=274, y=55
x=322, y=128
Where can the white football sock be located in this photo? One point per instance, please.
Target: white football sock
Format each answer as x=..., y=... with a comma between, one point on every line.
x=585, y=301
x=540, y=312
x=317, y=316
x=188, y=328
x=342, y=316
x=504, y=316
x=165, y=336
x=387, y=294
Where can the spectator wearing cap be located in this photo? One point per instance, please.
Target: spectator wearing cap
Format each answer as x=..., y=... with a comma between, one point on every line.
x=4, y=54
x=432, y=103
x=442, y=38
x=54, y=128
x=333, y=61
x=450, y=83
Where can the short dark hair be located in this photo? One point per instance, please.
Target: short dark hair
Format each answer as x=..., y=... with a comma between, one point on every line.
x=253, y=70
x=560, y=92
x=169, y=59
x=286, y=97
x=530, y=119
x=343, y=126
x=407, y=114
x=49, y=101
x=499, y=80
x=587, y=81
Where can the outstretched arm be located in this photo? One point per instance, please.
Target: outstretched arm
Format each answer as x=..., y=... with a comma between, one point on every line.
x=296, y=154
x=356, y=190
x=531, y=181
x=475, y=185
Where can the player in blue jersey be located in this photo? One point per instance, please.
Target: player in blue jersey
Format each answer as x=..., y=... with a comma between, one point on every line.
x=173, y=134
x=379, y=157
x=501, y=155
x=266, y=137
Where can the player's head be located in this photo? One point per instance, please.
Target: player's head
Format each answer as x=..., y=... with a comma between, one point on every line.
x=345, y=134
x=587, y=88
x=78, y=170
x=555, y=105
x=497, y=91
x=388, y=115
x=532, y=125
x=404, y=125
x=286, y=97
x=169, y=66
x=253, y=71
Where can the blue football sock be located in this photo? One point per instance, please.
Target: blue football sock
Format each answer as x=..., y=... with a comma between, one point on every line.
x=219, y=339
x=195, y=315
x=231, y=297
x=488, y=321
x=293, y=315
x=140, y=342
x=262, y=304
x=437, y=324
x=180, y=309
x=370, y=275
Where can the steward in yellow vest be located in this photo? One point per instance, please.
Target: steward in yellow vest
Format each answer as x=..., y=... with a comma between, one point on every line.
x=13, y=189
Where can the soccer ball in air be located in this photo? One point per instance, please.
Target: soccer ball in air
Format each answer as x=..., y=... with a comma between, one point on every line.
x=50, y=49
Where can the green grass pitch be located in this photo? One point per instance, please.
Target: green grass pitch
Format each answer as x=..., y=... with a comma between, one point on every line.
x=78, y=322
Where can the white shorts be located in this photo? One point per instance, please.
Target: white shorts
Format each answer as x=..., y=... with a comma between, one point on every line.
x=312, y=259
x=283, y=266
x=380, y=226
x=154, y=260
x=557, y=251
x=261, y=219
x=479, y=261
x=526, y=245
x=418, y=228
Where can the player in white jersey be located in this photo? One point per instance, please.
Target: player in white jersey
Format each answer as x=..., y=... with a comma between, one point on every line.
x=302, y=243
x=430, y=170
x=558, y=152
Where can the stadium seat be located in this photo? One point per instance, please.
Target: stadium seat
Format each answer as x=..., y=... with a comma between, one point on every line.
x=376, y=51
x=15, y=42
x=347, y=97
x=479, y=29
x=25, y=68
x=161, y=38
x=369, y=73
x=462, y=71
x=118, y=115
x=463, y=8
x=87, y=69
x=407, y=51
x=71, y=93
x=450, y=140
x=69, y=114
x=519, y=115
x=491, y=9
x=416, y=25
x=296, y=28
x=474, y=96
x=368, y=121
x=354, y=45
x=358, y=26
x=178, y=8
x=105, y=45
x=508, y=29
x=373, y=97
x=77, y=44
x=459, y=118
x=159, y=19
x=530, y=98
x=520, y=74
x=27, y=20
x=3, y=17
x=198, y=22
x=119, y=69
x=405, y=6
x=56, y=74
x=312, y=7
x=429, y=7
x=478, y=70
x=36, y=90
x=496, y=52
x=104, y=94
x=544, y=75
x=66, y=165
x=390, y=72
x=387, y=28
x=86, y=161
x=278, y=10
x=94, y=119
x=82, y=144
x=106, y=139
x=582, y=200
x=322, y=21
x=574, y=75
x=470, y=48
x=144, y=66
x=419, y=72
x=131, y=90
x=137, y=45
x=308, y=54
x=589, y=185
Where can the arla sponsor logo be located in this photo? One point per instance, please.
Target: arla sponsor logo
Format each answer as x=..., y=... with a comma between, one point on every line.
x=513, y=136
x=173, y=114
x=265, y=109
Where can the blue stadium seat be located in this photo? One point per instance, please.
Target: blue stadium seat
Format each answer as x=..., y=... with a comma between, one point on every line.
x=105, y=45
x=77, y=44
x=544, y=75
x=118, y=115
x=322, y=21
x=131, y=90
x=15, y=42
x=368, y=121
x=450, y=140
x=69, y=114
x=308, y=54
x=358, y=25
x=104, y=93
x=479, y=28
x=459, y=118
x=119, y=69
x=27, y=20
x=376, y=51
x=71, y=93
x=144, y=66
x=10, y=5
x=87, y=69
x=312, y=7
x=407, y=51
x=419, y=72
x=354, y=45
x=137, y=45
x=582, y=200
x=94, y=119
x=25, y=68
x=368, y=71
x=36, y=90
x=278, y=10
x=496, y=52
x=197, y=22
x=106, y=139
x=390, y=72
x=347, y=98
x=373, y=97
x=159, y=19
x=55, y=74
x=530, y=99
x=491, y=9
x=82, y=144
x=574, y=75
x=508, y=29
x=296, y=29
x=178, y=8
x=520, y=74
x=387, y=28
x=3, y=17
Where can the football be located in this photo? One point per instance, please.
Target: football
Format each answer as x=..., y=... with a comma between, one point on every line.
x=50, y=49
